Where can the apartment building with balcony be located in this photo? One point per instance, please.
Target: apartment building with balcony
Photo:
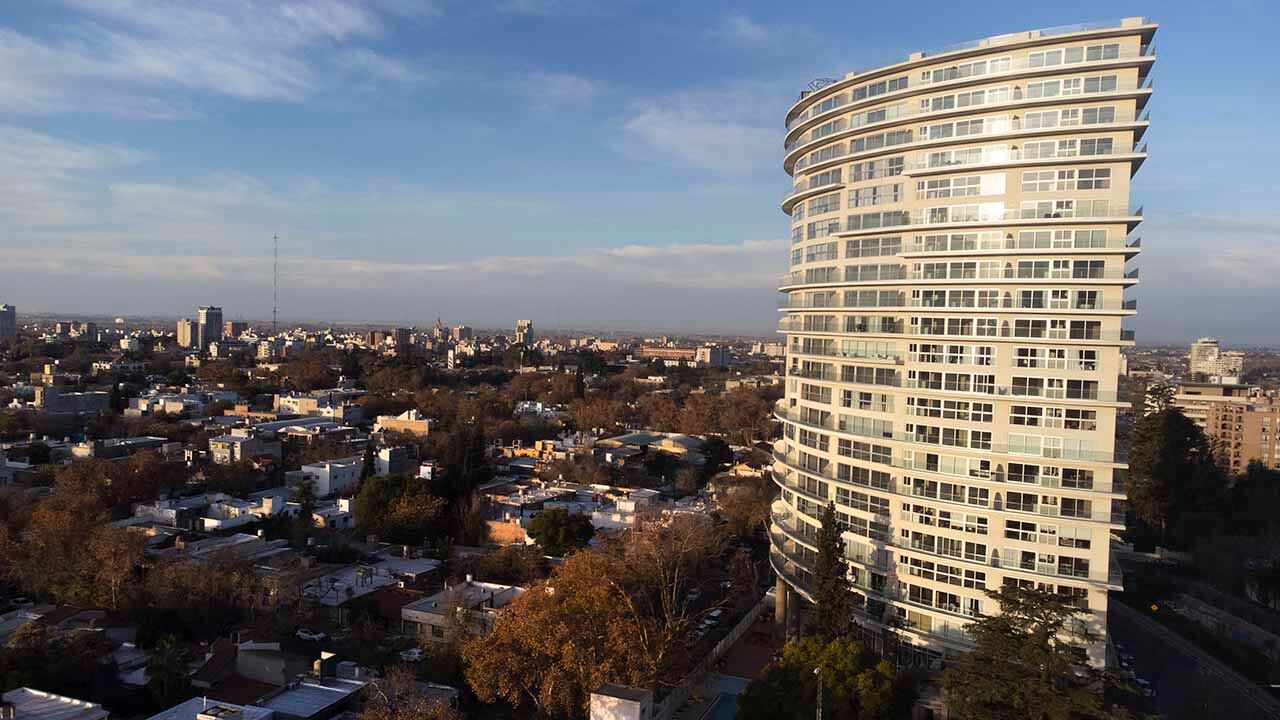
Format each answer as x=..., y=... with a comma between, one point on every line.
x=953, y=313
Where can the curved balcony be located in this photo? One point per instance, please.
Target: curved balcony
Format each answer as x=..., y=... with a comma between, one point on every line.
x=800, y=278
x=1140, y=89
x=1109, y=578
x=822, y=106
x=1104, y=457
x=798, y=194
x=1014, y=131
x=946, y=389
x=1121, y=307
x=995, y=479
x=1004, y=334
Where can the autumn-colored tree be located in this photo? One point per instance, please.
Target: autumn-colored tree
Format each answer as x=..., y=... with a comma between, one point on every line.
x=744, y=416
x=597, y=411
x=660, y=413
x=114, y=556
x=745, y=502
x=701, y=415
x=560, y=640
x=663, y=561
x=397, y=697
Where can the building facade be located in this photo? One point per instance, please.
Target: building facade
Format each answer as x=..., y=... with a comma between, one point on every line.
x=188, y=332
x=960, y=228
x=1241, y=433
x=524, y=332
x=209, y=326
x=8, y=322
x=1207, y=358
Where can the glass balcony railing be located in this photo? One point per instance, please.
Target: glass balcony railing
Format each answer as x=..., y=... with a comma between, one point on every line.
x=790, y=325
x=993, y=128
x=802, y=303
x=832, y=423
x=1069, y=394
x=939, y=76
x=995, y=244
x=906, y=110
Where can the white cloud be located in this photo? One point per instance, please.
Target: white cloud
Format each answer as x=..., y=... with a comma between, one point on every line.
x=739, y=29
x=729, y=130
x=130, y=57
x=379, y=66
x=550, y=90
x=43, y=179
x=589, y=8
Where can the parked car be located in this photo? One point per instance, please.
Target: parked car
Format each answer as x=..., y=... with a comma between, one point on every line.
x=413, y=655
x=310, y=635
x=21, y=602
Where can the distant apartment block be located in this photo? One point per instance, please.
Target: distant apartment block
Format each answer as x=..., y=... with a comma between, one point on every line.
x=209, y=326
x=1197, y=399
x=1244, y=432
x=524, y=332
x=8, y=322
x=188, y=333
x=1207, y=358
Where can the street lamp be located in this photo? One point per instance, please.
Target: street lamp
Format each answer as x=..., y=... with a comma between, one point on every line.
x=818, y=672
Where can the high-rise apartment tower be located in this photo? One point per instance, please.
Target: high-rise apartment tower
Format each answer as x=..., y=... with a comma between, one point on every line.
x=209, y=329
x=8, y=321
x=960, y=227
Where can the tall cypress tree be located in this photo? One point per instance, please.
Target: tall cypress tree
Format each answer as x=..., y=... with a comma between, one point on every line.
x=832, y=591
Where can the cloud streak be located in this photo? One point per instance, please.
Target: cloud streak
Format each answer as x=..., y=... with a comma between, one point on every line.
x=141, y=59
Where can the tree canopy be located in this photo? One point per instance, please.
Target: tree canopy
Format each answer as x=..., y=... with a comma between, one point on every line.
x=856, y=685
x=559, y=531
x=1172, y=474
x=833, y=594
x=1028, y=663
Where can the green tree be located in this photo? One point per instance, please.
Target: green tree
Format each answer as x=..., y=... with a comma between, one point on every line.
x=856, y=685
x=832, y=593
x=168, y=671
x=558, y=531
x=370, y=467
x=1172, y=473
x=1028, y=663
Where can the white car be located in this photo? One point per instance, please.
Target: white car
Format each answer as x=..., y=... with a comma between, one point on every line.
x=310, y=635
x=413, y=655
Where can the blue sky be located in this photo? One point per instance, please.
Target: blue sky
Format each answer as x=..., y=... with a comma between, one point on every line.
x=588, y=163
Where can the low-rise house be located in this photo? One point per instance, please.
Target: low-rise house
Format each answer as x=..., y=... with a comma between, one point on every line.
x=313, y=699
x=329, y=477
x=28, y=704
x=392, y=461
x=409, y=422
x=202, y=708
x=626, y=511
x=115, y=448
x=334, y=516
x=472, y=603
x=685, y=447
x=241, y=444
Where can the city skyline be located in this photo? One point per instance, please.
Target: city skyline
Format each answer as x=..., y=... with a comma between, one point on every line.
x=150, y=161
